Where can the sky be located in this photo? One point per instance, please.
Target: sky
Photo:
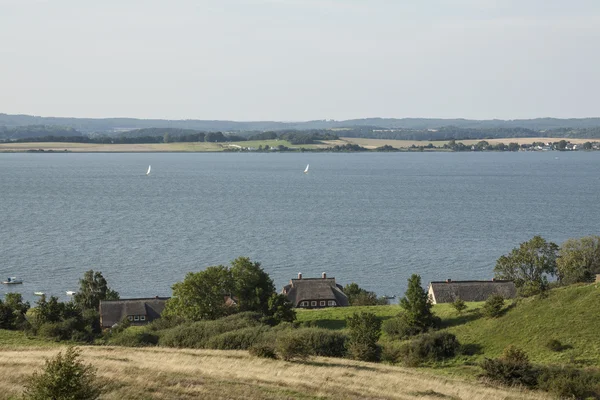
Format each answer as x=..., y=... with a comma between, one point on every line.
x=297, y=60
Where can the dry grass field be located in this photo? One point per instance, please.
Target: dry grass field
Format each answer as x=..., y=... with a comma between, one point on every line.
x=117, y=148
x=374, y=143
x=159, y=373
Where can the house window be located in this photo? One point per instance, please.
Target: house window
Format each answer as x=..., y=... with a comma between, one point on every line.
x=136, y=318
x=322, y=303
x=130, y=317
x=142, y=317
x=313, y=303
x=304, y=304
x=331, y=303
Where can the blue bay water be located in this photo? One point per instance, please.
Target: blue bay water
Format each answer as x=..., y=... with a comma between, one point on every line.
x=370, y=218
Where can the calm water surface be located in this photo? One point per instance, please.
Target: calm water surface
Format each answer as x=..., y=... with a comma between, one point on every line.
x=370, y=218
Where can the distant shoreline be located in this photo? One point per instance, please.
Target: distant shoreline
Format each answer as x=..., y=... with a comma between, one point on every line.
x=207, y=147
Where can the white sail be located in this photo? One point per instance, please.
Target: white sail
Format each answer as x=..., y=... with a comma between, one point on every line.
x=306, y=170
x=149, y=168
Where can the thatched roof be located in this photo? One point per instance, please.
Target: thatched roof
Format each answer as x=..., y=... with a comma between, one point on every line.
x=113, y=311
x=449, y=291
x=315, y=289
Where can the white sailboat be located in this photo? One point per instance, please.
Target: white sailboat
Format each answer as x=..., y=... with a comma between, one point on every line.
x=306, y=170
x=149, y=168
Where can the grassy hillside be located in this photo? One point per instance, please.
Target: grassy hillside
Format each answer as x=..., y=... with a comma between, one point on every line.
x=158, y=373
x=570, y=315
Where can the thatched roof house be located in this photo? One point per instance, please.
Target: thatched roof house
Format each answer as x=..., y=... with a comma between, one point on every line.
x=137, y=311
x=315, y=292
x=449, y=290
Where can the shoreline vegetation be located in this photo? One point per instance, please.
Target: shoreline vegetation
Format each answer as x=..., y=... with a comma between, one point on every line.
x=342, y=144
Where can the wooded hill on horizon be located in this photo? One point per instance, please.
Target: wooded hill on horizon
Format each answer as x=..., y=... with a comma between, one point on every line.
x=14, y=127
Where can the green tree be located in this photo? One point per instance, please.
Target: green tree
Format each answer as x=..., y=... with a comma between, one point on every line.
x=280, y=310
x=417, y=306
x=12, y=311
x=64, y=377
x=252, y=286
x=579, y=260
x=358, y=296
x=493, y=306
x=587, y=146
x=201, y=295
x=459, y=305
x=562, y=145
x=48, y=311
x=364, y=331
x=512, y=146
x=529, y=265
x=166, y=138
x=93, y=288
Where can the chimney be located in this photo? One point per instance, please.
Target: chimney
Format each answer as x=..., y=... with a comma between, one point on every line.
x=324, y=275
x=299, y=275
x=448, y=280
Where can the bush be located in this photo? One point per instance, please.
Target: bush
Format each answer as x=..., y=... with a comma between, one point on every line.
x=197, y=334
x=429, y=347
x=323, y=342
x=400, y=327
x=391, y=353
x=262, y=351
x=63, y=378
x=240, y=339
x=512, y=368
x=569, y=382
x=493, y=306
x=63, y=330
x=364, y=332
x=134, y=337
x=554, y=345
x=291, y=347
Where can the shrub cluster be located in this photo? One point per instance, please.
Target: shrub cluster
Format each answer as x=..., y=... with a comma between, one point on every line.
x=428, y=347
x=197, y=334
x=514, y=368
x=133, y=337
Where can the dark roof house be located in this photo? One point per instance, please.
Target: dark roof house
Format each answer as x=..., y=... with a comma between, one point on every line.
x=315, y=292
x=137, y=311
x=449, y=290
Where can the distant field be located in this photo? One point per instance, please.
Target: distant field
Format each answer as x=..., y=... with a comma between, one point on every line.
x=374, y=143
x=150, y=147
x=124, y=148
x=161, y=373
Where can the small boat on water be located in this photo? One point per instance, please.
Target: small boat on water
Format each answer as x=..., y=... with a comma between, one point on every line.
x=306, y=170
x=149, y=168
x=39, y=293
x=12, y=281
x=389, y=297
x=70, y=293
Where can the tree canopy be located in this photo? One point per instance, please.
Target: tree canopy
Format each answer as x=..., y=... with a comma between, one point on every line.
x=204, y=294
x=529, y=265
x=93, y=288
x=579, y=260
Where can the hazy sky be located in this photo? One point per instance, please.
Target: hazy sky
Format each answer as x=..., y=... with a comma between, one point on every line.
x=300, y=59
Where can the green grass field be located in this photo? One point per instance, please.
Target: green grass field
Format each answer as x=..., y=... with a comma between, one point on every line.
x=570, y=315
